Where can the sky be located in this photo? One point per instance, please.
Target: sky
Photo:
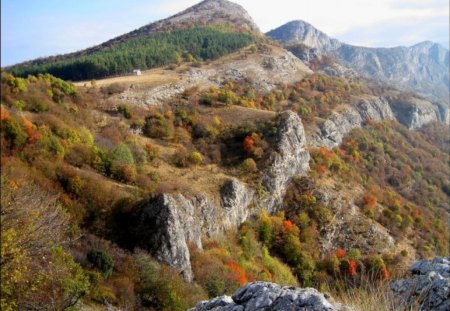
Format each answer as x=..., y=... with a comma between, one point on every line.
x=38, y=28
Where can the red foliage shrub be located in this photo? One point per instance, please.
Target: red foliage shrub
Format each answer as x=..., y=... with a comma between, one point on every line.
x=369, y=200
x=321, y=169
x=385, y=275
x=288, y=226
x=248, y=144
x=351, y=270
x=33, y=136
x=238, y=273
x=340, y=253
x=4, y=114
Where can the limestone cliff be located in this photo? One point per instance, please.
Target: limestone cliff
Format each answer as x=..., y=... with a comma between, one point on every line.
x=172, y=223
x=291, y=158
x=330, y=132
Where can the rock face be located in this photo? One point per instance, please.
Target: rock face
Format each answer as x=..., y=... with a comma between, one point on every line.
x=415, y=113
x=291, y=158
x=173, y=222
x=331, y=132
x=170, y=223
x=300, y=31
x=268, y=296
x=428, y=285
x=423, y=67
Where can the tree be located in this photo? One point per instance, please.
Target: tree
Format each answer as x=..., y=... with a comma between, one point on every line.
x=35, y=272
x=102, y=261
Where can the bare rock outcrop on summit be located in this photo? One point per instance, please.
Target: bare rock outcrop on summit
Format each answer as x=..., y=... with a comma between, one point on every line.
x=269, y=296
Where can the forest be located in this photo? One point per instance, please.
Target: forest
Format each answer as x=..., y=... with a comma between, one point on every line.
x=143, y=52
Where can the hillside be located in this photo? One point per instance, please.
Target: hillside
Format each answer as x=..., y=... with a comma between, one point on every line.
x=239, y=162
x=423, y=67
x=208, y=30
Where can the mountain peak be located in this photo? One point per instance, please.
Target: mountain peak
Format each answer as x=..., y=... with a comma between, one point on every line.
x=299, y=31
x=216, y=12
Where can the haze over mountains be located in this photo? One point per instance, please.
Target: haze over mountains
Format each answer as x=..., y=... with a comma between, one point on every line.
x=423, y=67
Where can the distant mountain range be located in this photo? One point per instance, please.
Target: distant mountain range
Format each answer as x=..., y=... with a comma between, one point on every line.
x=423, y=67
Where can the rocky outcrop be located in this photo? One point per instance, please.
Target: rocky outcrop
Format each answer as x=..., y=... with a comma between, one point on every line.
x=331, y=131
x=415, y=113
x=292, y=158
x=170, y=223
x=262, y=71
x=268, y=296
x=428, y=285
x=302, y=32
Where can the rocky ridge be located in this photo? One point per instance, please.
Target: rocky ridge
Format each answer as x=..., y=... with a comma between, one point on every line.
x=423, y=67
x=428, y=285
x=410, y=111
x=262, y=71
x=268, y=296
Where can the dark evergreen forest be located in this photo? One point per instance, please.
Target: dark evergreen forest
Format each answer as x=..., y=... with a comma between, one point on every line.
x=201, y=43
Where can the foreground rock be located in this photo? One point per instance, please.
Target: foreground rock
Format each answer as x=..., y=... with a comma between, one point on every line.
x=269, y=296
x=428, y=286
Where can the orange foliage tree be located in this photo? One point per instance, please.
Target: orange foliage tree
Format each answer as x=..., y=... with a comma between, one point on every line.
x=248, y=144
x=340, y=253
x=238, y=273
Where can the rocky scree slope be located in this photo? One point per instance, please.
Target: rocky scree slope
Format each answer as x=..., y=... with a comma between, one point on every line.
x=262, y=71
x=423, y=67
x=268, y=296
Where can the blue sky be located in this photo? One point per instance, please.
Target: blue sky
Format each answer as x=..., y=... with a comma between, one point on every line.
x=37, y=28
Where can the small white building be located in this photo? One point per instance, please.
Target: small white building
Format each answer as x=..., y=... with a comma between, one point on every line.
x=137, y=72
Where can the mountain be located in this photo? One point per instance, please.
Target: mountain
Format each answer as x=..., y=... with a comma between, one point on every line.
x=301, y=32
x=236, y=163
x=204, y=31
x=423, y=67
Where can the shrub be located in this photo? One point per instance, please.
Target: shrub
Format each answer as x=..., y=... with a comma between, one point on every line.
x=152, y=151
x=249, y=165
x=123, y=171
x=14, y=132
x=124, y=110
x=354, y=254
x=196, y=158
x=265, y=228
x=156, y=126
x=340, y=253
x=101, y=260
